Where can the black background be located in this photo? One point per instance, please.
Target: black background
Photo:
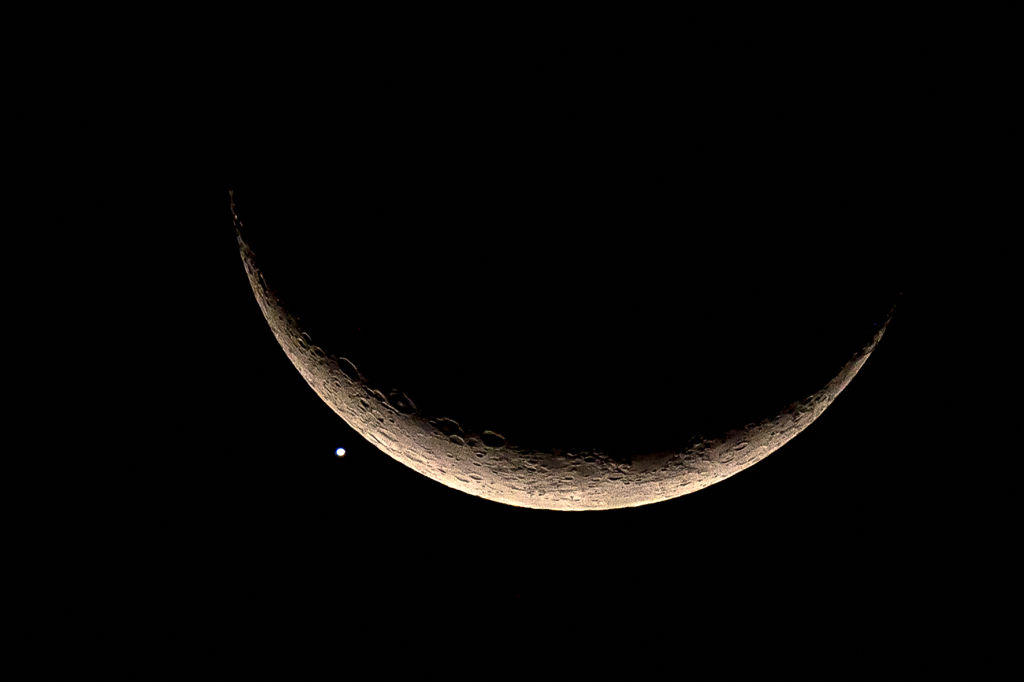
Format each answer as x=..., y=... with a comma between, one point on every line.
x=767, y=162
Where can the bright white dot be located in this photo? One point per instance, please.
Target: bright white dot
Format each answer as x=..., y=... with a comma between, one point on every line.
x=340, y=452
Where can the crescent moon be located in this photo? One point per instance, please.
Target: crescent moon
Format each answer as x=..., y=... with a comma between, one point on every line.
x=488, y=465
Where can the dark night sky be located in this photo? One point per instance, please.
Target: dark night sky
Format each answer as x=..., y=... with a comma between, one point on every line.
x=184, y=502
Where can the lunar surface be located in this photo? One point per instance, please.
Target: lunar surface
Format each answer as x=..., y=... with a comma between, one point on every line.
x=495, y=466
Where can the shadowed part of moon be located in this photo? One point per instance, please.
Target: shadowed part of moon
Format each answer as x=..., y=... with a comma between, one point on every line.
x=490, y=465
